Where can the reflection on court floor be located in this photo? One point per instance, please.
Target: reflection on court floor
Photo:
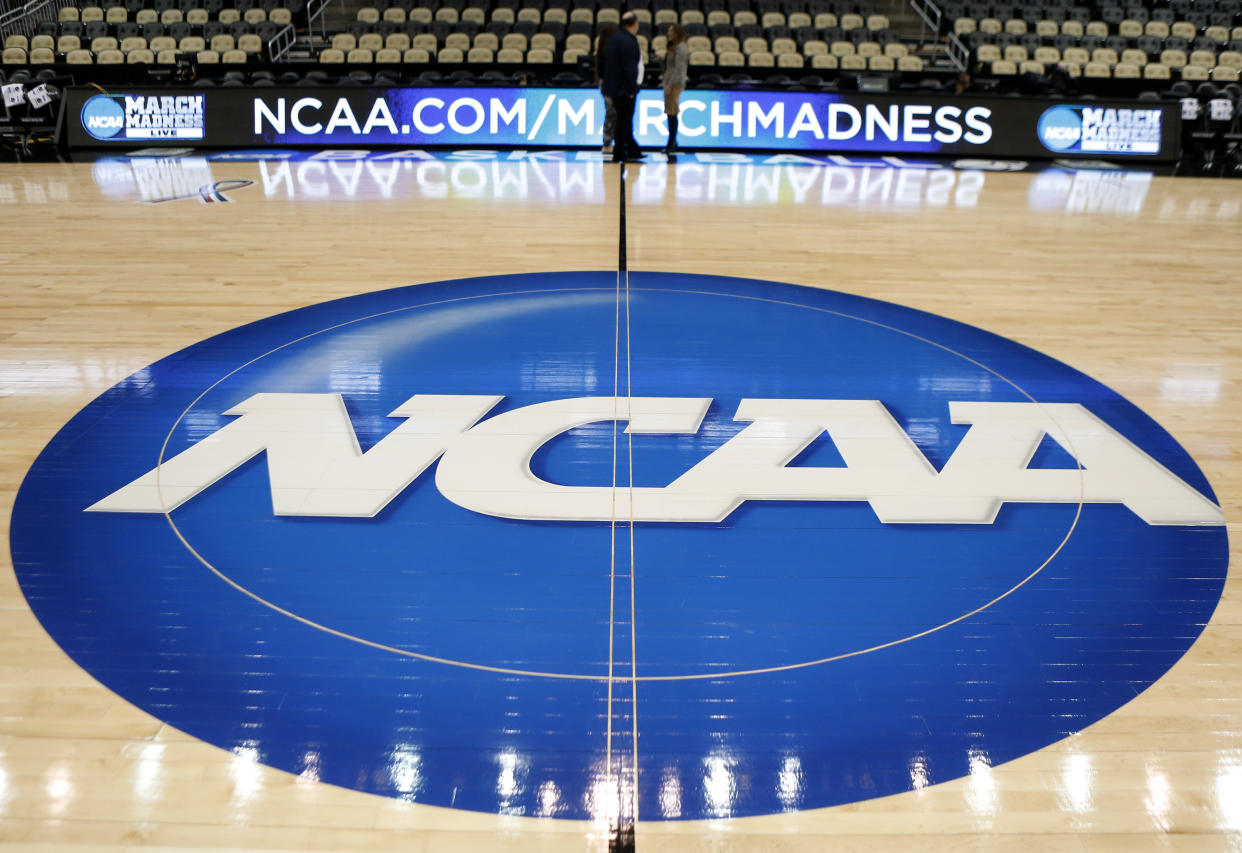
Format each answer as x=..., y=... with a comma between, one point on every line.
x=888, y=183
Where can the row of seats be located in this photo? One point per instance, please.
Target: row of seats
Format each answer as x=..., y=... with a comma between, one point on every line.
x=1110, y=57
x=474, y=77
x=756, y=59
x=144, y=56
x=249, y=43
x=1112, y=15
x=637, y=6
x=1151, y=45
x=88, y=32
x=548, y=35
x=447, y=56
x=1120, y=71
x=1173, y=51
x=825, y=61
x=581, y=42
x=1128, y=28
x=213, y=7
x=1182, y=6
x=660, y=18
x=195, y=15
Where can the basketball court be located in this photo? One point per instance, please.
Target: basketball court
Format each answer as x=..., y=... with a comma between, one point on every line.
x=474, y=661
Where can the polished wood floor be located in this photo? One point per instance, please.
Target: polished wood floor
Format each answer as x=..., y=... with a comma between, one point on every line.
x=1135, y=280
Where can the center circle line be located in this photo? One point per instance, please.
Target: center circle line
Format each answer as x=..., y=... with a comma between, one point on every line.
x=733, y=673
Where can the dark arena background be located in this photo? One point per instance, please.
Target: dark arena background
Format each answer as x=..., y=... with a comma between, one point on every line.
x=387, y=469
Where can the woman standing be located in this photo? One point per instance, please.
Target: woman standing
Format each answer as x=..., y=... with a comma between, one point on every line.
x=676, y=65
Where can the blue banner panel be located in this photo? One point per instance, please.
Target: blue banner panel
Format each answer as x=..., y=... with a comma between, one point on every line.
x=519, y=117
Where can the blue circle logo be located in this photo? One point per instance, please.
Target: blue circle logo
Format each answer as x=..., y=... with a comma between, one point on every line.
x=490, y=543
x=1060, y=128
x=103, y=117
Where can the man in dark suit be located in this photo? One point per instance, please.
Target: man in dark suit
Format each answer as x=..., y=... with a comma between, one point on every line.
x=621, y=61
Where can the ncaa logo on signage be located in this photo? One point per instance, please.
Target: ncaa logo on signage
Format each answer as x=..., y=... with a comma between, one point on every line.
x=842, y=517
x=1060, y=128
x=103, y=117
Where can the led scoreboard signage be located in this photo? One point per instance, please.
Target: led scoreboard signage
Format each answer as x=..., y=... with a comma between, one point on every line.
x=143, y=117
x=715, y=119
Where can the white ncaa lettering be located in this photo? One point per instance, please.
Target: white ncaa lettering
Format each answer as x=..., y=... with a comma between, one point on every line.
x=316, y=467
x=313, y=460
x=488, y=469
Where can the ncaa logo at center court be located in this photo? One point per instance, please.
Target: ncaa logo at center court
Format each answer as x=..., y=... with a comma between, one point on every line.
x=859, y=536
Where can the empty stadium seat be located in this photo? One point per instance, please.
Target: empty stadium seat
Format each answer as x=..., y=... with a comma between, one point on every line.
x=1173, y=58
x=988, y=53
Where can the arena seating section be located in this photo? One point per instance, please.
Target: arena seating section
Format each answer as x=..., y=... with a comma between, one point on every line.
x=788, y=34
x=137, y=33
x=1121, y=39
x=540, y=39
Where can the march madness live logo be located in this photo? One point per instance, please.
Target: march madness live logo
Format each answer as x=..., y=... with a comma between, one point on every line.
x=1074, y=129
x=144, y=117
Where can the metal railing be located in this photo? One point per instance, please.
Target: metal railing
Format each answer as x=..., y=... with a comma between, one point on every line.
x=25, y=19
x=958, y=53
x=280, y=43
x=929, y=12
x=314, y=12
